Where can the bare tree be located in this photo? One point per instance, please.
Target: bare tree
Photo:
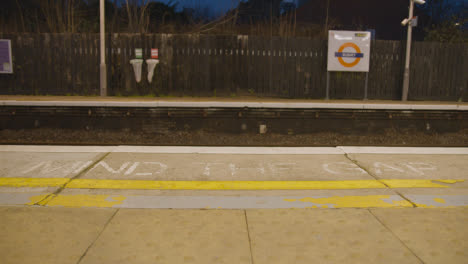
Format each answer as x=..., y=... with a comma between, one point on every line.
x=60, y=15
x=138, y=17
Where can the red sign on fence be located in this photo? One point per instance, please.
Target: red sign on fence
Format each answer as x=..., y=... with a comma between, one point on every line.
x=154, y=53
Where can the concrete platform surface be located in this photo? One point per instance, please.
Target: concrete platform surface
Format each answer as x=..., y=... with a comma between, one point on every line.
x=127, y=204
x=233, y=177
x=101, y=235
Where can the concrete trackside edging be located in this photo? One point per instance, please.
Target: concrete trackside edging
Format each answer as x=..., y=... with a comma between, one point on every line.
x=240, y=104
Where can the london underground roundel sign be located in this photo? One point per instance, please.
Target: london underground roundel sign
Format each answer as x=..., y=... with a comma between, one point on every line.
x=348, y=51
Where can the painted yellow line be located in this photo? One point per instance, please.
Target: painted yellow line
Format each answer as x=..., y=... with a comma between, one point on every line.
x=223, y=185
x=402, y=183
x=33, y=182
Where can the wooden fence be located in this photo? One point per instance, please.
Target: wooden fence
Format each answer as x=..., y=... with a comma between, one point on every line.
x=204, y=65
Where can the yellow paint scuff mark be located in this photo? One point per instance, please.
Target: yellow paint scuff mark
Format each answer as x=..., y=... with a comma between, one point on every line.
x=40, y=199
x=403, y=183
x=439, y=200
x=449, y=181
x=86, y=200
x=33, y=182
x=353, y=201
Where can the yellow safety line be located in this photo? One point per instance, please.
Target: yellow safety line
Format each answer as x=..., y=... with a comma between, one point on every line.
x=222, y=185
x=33, y=182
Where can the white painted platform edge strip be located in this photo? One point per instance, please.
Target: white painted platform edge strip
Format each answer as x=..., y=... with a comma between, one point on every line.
x=61, y=149
x=220, y=104
x=238, y=150
x=232, y=150
x=404, y=150
x=178, y=149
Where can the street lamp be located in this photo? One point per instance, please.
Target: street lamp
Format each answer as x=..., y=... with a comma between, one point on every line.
x=407, y=21
x=102, y=66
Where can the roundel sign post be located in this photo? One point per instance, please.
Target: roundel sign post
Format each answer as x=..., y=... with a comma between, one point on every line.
x=348, y=51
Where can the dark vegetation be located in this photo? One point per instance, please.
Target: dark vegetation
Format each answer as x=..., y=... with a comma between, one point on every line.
x=439, y=20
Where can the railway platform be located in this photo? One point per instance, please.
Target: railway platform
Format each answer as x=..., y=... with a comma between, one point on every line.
x=163, y=204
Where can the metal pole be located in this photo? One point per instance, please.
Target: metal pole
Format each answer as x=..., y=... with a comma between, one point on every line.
x=102, y=67
x=365, y=86
x=408, y=54
x=326, y=19
x=327, y=92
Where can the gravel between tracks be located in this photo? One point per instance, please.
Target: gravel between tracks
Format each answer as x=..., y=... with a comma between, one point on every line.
x=97, y=137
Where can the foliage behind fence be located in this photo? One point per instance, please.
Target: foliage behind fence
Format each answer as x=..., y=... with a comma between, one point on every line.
x=204, y=65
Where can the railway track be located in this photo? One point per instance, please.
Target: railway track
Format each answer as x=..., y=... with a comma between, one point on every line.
x=237, y=126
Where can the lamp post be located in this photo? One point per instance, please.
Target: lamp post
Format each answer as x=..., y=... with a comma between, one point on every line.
x=102, y=66
x=408, y=22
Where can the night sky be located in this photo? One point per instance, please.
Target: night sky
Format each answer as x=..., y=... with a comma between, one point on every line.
x=219, y=7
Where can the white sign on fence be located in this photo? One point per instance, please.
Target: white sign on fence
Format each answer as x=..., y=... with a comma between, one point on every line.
x=6, y=64
x=154, y=54
x=139, y=53
x=349, y=51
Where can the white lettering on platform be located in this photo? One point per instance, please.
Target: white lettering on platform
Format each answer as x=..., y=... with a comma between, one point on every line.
x=279, y=167
x=342, y=167
x=161, y=168
x=416, y=167
x=154, y=167
x=109, y=169
x=47, y=167
x=132, y=168
x=207, y=167
x=234, y=169
x=82, y=167
x=380, y=167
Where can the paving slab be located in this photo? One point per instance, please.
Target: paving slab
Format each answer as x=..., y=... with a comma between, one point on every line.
x=323, y=236
x=173, y=236
x=401, y=166
x=147, y=166
x=434, y=235
x=48, y=235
